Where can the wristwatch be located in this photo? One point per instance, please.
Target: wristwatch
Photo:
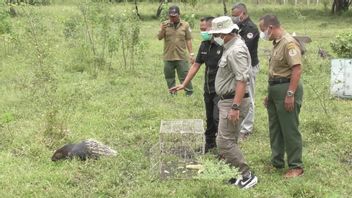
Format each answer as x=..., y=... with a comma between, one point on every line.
x=235, y=107
x=290, y=93
x=191, y=54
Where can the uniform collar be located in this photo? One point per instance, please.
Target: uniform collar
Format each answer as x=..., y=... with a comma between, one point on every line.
x=277, y=41
x=181, y=22
x=246, y=20
x=230, y=43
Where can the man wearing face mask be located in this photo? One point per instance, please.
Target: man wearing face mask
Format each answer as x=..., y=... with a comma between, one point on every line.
x=250, y=34
x=284, y=99
x=231, y=86
x=209, y=53
x=177, y=37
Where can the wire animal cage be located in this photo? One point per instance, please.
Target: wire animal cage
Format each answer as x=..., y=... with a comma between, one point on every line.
x=181, y=142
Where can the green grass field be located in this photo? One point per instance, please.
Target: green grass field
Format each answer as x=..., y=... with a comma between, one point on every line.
x=50, y=96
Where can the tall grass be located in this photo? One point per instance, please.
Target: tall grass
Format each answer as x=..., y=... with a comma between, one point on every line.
x=44, y=103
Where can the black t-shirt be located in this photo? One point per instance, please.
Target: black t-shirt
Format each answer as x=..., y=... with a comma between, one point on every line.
x=210, y=54
x=249, y=32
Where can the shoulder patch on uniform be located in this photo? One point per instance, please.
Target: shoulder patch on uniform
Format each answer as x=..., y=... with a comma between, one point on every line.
x=250, y=35
x=291, y=46
x=292, y=52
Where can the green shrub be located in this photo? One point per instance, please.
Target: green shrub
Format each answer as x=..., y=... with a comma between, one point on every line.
x=191, y=19
x=342, y=45
x=39, y=2
x=216, y=170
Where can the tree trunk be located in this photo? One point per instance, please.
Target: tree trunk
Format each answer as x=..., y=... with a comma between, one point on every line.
x=339, y=6
x=225, y=9
x=135, y=3
x=160, y=8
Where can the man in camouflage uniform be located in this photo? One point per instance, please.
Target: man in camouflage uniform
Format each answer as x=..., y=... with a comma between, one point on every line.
x=284, y=98
x=177, y=37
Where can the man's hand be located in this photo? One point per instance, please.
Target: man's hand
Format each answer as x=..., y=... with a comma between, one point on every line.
x=176, y=88
x=163, y=26
x=265, y=102
x=233, y=115
x=289, y=103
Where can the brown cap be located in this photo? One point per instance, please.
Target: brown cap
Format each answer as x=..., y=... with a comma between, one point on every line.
x=174, y=11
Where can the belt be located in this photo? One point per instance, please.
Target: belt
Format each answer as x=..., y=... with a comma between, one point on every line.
x=275, y=81
x=224, y=97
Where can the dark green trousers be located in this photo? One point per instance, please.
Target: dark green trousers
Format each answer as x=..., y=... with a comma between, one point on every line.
x=182, y=67
x=285, y=136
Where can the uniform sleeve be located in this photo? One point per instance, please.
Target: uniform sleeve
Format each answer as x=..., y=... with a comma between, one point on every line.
x=252, y=37
x=239, y=63
x=199, y=55
x=293, y=54
x=161, y=33
x=188, y=32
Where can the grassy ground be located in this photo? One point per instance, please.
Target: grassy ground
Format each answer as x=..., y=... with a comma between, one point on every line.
x=123, y=108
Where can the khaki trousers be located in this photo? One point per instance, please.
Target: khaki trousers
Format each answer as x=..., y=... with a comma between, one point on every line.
x=228, y=133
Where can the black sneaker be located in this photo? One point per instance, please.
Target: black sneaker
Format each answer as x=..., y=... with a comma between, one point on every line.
x=245, y=183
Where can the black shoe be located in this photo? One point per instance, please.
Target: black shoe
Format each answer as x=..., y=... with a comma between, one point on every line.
x=246, y=182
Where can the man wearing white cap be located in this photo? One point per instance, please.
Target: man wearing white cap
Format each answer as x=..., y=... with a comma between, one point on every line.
x=231, y=86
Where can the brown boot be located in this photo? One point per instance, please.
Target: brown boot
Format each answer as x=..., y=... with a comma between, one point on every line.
x=294, y=172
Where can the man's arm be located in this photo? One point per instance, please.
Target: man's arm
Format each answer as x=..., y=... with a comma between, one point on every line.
x=190, y=50
x=189, y=46
x=189, y=42
x=239, y=64
x=161, y=33
x=251, y=38
x=295, y=77
x=191, y=73
x=294, y=59
x=240, y=90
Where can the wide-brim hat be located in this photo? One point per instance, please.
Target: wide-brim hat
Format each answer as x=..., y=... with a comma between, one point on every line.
x=222, y=25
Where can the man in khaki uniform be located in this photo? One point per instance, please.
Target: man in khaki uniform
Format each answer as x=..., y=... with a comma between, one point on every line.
x=177, y=37
x=231, y=86
x=284, y=98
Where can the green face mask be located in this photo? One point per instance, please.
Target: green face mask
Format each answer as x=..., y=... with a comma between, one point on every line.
x=206, y=36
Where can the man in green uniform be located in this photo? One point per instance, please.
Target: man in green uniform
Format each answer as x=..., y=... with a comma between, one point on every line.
x=284, y=98
x=177, y=37
x=231, y=86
